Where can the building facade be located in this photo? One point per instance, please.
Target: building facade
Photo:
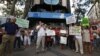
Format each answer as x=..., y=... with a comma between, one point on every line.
x=41, y=11
x=94, y=12
x=61, y=2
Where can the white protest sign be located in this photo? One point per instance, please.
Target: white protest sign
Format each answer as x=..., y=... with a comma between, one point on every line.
x=63, y=40
x=50, y=33
x=63, y=31
x=22, y=23
x=75, y=30
x=72, y=30
x=70, y=19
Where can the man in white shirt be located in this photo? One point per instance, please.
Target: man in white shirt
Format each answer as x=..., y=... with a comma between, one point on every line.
x=40, y=37
x=78, y=40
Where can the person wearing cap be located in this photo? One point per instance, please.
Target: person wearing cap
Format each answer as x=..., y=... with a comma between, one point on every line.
x=9, y=29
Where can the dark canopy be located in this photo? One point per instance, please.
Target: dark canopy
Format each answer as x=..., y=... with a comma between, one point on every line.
x=50, y=8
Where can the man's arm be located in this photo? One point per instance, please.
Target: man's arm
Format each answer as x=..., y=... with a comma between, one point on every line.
x=3, y=28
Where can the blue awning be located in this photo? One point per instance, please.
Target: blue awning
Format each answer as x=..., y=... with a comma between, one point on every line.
x=48, y=15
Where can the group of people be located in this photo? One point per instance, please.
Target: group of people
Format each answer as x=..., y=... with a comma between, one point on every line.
x=83, y=39
x=80, y=39
x=13, y=36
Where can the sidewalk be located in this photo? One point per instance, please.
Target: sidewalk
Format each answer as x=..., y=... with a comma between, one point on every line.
x=51, y=52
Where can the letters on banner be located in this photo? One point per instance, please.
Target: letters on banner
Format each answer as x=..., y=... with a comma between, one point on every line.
x=22, y=23
x=76, y=30
x=70, y=19
x=63, y=40
x=50, y=33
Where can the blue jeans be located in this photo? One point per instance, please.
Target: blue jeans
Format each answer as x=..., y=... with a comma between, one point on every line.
x=96, y=42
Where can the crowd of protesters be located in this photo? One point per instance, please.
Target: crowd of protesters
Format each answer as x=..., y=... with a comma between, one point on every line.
x=46, y=36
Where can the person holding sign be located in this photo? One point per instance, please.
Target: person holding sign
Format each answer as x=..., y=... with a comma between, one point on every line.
x=48, y=37
x=86, y=40
x=78, y=40
x=71, y=37
x=63, y=38
x=40, y=36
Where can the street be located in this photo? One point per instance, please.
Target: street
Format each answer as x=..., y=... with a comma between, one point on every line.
x=54, y=51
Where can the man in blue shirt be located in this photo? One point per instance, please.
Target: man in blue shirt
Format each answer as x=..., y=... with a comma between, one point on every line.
x=9, y=28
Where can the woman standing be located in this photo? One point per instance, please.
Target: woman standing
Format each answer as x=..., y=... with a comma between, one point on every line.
x=27, y=40
x=86, y=40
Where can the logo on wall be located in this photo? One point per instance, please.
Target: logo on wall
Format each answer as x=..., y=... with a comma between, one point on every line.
x=51, y=2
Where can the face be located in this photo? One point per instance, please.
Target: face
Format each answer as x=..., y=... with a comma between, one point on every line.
x=40, y=22
x=13, y=20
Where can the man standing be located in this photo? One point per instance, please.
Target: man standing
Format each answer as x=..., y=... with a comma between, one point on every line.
x=40, y=36
x=78, y=40
x=10, y=28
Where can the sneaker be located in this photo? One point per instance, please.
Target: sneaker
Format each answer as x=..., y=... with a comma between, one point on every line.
x=76, y=51
x=81, y=53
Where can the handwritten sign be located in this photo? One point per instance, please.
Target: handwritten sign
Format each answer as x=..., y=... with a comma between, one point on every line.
x=22, y=23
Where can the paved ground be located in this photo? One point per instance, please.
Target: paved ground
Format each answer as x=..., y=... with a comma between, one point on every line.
x=51, y=52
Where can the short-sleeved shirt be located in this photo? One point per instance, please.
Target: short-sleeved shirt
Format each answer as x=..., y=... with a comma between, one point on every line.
x=10, y=28
x=86, y=36
x=41, y=31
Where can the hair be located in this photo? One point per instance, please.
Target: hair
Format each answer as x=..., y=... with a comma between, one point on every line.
x=87, y=27
x=94, y=27
x=8, y=20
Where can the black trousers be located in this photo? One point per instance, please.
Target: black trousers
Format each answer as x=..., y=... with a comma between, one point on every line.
x=57, y=38
x=0, y=39
x=17, y=42
x=71, y=41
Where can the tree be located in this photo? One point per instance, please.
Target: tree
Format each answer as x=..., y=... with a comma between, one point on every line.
x=13, y=7
x=28, y=4
x=97, y=13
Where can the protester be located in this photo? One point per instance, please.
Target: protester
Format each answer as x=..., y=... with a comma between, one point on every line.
x=35, y=34
x=1, y=34
x=98, y=37
x=78, y=40
x=10, y=29
x=27, y=39
x=71, y=37
x=86, y=40
x=48, y=39
x=57, y=36
x=63, y=37
x=40, y=37
x=22, y=36
x=53, y=37
x=32, y=34
x=95, y=35
x=17, y=42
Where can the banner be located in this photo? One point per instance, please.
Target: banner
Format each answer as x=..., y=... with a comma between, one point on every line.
x=22, y=23
x=71, y=30
x=70, y=19
x=75, y=30
x=63, y=40
x=50, y=33
x=48, y=15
